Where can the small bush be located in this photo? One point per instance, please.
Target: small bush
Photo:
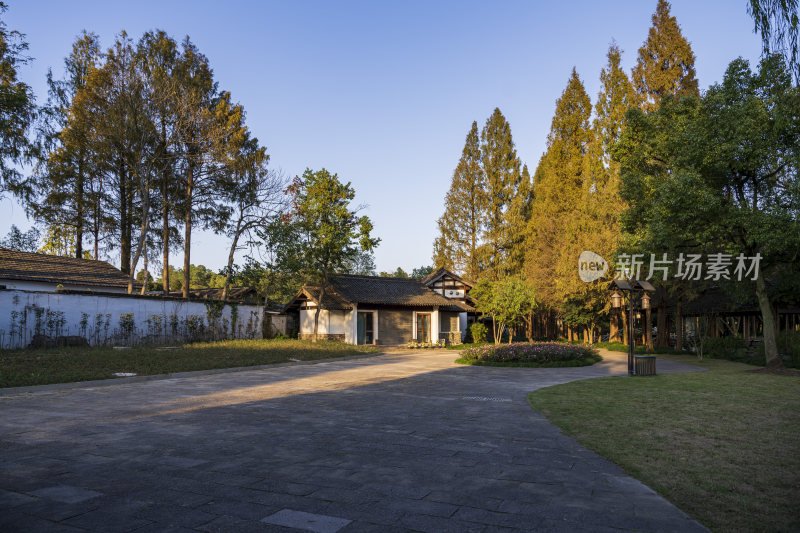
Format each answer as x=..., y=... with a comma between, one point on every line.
x=478, y=332
x=530, y=354
x=732, y=348
x=788, y=347
x=789, y=344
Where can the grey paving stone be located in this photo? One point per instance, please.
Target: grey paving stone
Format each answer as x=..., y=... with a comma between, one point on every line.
x=307, y=521
x=227, y=524
x=185, y=462
x=175, y=516
x=513, y=520
x=435, y=524
x=66, y=494
x=387, y=443
x=101, y=520
x=240, y=509
x=10, y=499
x=24, y=523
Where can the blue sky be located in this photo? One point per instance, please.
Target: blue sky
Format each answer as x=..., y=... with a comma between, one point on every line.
x=383, y=93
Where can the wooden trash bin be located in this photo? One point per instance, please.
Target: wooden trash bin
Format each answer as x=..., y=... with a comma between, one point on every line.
x=645, y=365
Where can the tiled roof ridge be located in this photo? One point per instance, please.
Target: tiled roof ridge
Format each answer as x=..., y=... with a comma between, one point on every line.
x=379, y=278
x=54, y=258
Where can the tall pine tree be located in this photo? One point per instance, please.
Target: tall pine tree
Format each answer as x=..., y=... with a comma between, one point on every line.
x=502, y=169
x=666, y=61
x=559, y=183
x=70, y=192
x=463, y=220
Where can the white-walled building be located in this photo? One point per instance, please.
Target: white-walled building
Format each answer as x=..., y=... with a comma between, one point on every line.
x=380, y=310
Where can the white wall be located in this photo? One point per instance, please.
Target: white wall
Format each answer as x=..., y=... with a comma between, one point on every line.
x=330, y=322
x=97, y=318
x=51, y=287
x=351, y=325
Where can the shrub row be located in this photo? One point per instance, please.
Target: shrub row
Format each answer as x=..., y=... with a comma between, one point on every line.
x=531, y=354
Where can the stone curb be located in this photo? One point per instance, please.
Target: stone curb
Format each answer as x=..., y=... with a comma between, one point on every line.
x=14, y=391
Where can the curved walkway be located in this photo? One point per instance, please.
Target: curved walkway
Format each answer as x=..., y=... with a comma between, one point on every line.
x=399, y=442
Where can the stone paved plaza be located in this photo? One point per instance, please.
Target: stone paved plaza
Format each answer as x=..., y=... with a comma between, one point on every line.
x=399, y=442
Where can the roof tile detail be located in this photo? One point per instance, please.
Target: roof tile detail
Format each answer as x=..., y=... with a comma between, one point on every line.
x=27, y=266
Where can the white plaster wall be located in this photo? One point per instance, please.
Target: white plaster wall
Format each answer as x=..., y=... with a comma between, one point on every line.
x=307, y=320
x=330, y=322
x=336, y=322
x=51, y=287
x=70, y=309
x=351, y=325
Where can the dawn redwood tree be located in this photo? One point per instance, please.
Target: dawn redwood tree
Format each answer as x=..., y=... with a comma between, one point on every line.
x=17, y=108
x=158, y=57
x=210, y=132
x=666, y=61
x=464, y=216
x=329, y=232
x=502, y=223
x=559, y=186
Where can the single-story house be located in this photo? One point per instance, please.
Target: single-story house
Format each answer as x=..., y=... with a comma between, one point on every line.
x=40, y=272
x=381, y=310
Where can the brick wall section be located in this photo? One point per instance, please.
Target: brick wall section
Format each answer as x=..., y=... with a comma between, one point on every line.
x=449, y=321
x=394, y=326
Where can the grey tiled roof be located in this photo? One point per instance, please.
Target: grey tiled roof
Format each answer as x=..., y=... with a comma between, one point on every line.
x=347, y=290
x=433, y=276
x=27, y=266
x=387, y=291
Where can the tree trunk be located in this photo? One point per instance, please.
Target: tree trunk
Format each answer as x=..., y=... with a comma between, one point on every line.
x=679, y=324
x=145, y=226
x=662, y=334
x=165, y=233
x=146, y=272
x=746, y=328
x=768, y=320
x=79, y=212
x=625, y=339
x=124, y=221
x=316, y=313
x=230, y=262
x=187, y=238
x=613, y=327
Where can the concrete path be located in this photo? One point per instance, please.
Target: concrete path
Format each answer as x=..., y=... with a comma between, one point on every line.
x=400, y=442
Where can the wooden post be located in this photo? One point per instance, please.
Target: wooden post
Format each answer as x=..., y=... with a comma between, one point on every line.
x=746, y=328
x=648, y=327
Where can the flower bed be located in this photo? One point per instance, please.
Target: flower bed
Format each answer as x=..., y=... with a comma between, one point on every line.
x=419, y=345
x=535, y=354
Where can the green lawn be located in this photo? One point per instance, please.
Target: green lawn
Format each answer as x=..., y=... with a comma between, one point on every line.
x=63, y=365
x=723, y=445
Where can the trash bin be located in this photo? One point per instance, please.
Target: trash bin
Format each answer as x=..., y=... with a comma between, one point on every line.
x=645, y=365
